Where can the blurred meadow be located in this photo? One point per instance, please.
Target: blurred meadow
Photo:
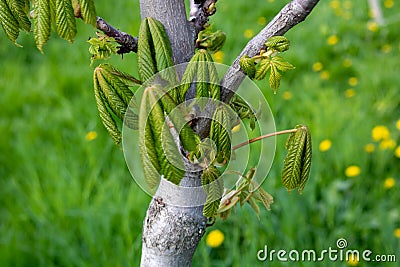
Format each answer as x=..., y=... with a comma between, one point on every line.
x=67, y=197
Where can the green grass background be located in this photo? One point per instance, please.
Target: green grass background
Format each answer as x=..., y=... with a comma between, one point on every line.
x=65, y=201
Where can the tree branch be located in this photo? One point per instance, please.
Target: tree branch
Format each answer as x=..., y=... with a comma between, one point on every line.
x=293, y=13
x=174, y=222
x=200, y=10
x=128, y=42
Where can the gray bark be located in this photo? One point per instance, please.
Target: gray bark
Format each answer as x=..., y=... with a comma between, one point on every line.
x=293, y=13
x=172, y=14
x=174, y=224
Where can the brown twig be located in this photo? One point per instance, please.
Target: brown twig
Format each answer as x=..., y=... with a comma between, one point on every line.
x=128, y=42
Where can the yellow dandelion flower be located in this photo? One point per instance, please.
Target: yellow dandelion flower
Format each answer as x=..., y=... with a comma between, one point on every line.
x=352, y=171
x=317, y=66
x=349, y=93
x=353, y=260
x=248, y=33
x=372, y=26
x=369, y=148
x=388, y=3
x=397, y=152
x=389, y=183
x=398, y=124
x=386, y=48
x=215, y=238
x=219, y=56
x=353, y=81
x=347, y=63
x=380, y=132
x=262, y=21
x=90, y=136
x=236, y=128
x=396, y=233
x=287, y=95
x=335, y=4
x=387, y=144
x=271, y=1
x=332, y=40
x=325, y=145
x=324, y=75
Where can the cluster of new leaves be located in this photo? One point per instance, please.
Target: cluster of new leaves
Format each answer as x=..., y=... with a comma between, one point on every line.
x=158, y=150
x=297, y=165
x=243, y=110
x=268, y=60
x=113, y=96
x=212, y=41
x=59, y=14
x=102, y=47
x=166, y=139
x=246, y=191
x=159, y=109
x=202, y=70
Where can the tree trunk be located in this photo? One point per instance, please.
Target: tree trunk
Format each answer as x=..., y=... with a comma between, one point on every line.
x=174, y=223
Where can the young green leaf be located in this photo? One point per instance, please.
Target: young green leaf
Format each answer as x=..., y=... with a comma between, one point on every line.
x=296, y=168
x=88, y=11
x=154, y=52
x=202, y=76
x=167, y=152
x=65, y=20
x=281, y=64
x=162, y=50
x=147, y=144
x=41, y=23
x=214, y=189
x=263, y=67
x=248, y=66
x=187, y=136
x=105, y=114
x=8, y=22
x=278, y=43
x=201, y=70
x=214, y=87
x=274, y=78
x=18, y=9
x=102, y=47
x=146, y=62
x=188, y=77
x=212, y=41
x=113, y=98
x=220, y=133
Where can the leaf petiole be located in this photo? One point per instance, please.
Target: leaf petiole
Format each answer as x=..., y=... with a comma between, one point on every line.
x=262, y=137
